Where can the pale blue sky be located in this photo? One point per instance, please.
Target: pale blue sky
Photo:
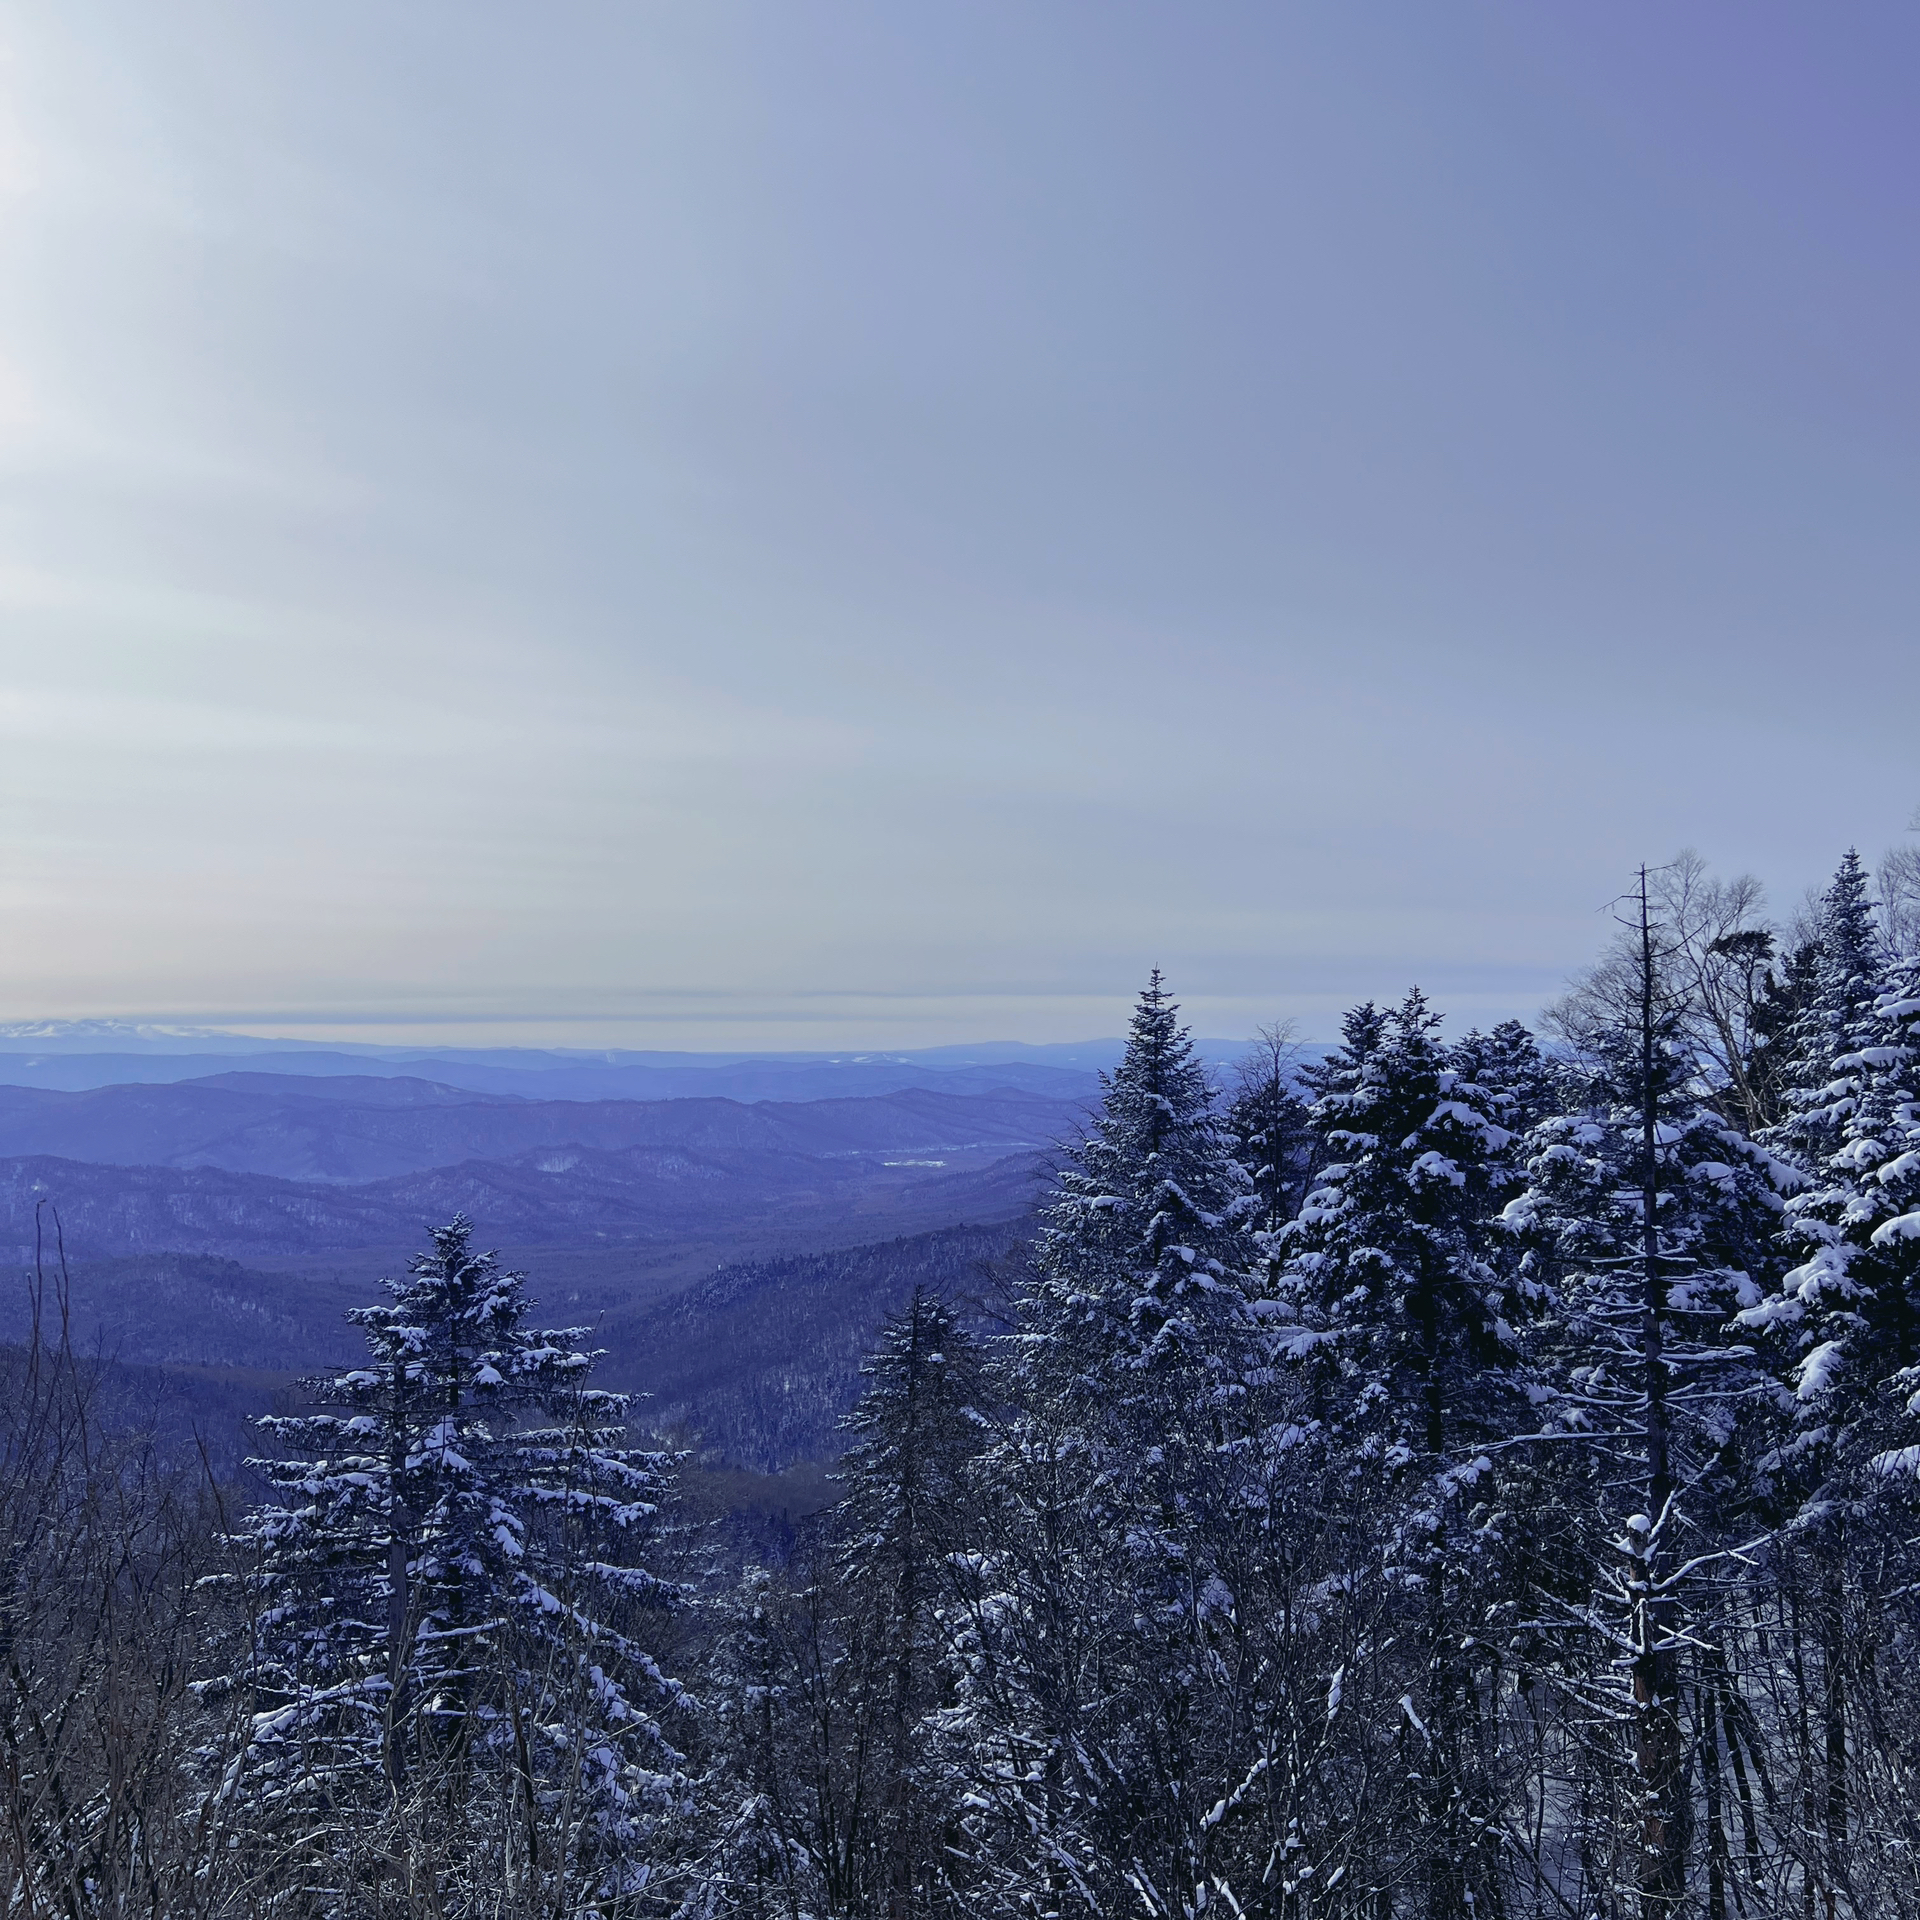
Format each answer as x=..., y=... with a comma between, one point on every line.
x=862, y=524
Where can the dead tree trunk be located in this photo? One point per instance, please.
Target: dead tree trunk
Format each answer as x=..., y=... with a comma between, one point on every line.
x=1659, y=1755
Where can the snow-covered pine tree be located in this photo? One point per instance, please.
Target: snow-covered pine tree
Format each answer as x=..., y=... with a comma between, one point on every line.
x=915, y=1434
x=1784, y=988
x=1884, y=1649
x=1821, y=1317
x=1846, y=1324
x=1389, y=1266
x=832, y=1669
x=1403, y=1320
x=829, y=1669
x=1849, y=979
x=1138, y=1274
x=1362, y=1029
x=1098, y=1720
x=1849, y=1305
x=1522, y=1085
x=1886, y=1153
x=446, y=1683
x=1580, y=1220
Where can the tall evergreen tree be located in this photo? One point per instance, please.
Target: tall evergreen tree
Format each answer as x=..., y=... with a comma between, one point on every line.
x=1137, y=1274
x=1845, y=1311
x=915, y=1434
x=1847, y=1317
x=1521, y=1084
x=1850, y=1304
x=446, y=1681
x=1849, y=979
x=1404, y=1320
x=1089, y=1719
x=1391, y=1264
x=1783, y=995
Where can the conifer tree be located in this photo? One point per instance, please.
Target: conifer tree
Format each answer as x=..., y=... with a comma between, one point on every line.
x=1843, y=1088
x=832, y=1668
x=1137, y=1267
x=1508, y=1066
x=446, y=1683
x=1849, y=980
x=1389, y=1264
x=915, y=1434
x=1850, y=1304
x=1091, y=1724
x=1404, y=1320
x=1783, y=994
x=1846, y=1317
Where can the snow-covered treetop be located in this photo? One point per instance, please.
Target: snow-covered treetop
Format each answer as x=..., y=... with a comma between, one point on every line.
x=1142, y=1236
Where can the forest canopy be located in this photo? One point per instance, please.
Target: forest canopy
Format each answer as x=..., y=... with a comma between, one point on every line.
x=1430, y=1476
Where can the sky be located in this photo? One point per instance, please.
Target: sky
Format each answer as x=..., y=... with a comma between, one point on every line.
x=680, y=525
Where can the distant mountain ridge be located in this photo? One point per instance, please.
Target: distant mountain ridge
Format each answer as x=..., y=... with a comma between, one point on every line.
x=360, y=1129
x=641, y=1197
x=132, y=1037
x=732, y=1080
x=79, y=1055
x=733, y=1227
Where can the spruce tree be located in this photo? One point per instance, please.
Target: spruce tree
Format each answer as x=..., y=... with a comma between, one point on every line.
x=1521, y=1084
x=1824, y=1043
x=1138, y=1274
x=1844, y=1313
x=1390, y=1267
x=915, y=1434
x=1846, y=1320
x=1404, y=1321
x=1849, y=1306
x=1783, y=995
x=1098, y=1719
x=443, y=1664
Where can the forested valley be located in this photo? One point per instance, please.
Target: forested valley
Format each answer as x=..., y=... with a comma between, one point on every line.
x=1436, y=1477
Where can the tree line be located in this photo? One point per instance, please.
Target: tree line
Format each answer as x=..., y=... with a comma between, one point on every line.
x=1443, y=1478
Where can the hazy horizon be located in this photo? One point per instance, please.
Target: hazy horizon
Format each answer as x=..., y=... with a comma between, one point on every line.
x=870, y=528
x=161, y=1037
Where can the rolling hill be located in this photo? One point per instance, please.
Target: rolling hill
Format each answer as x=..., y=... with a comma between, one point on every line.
x=358, y=1129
